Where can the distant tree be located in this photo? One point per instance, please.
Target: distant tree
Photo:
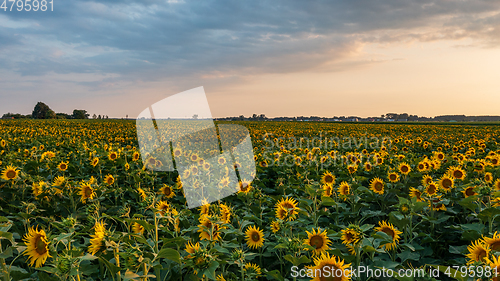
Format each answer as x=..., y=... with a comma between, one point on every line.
x=80, y=114
x=107, y=117
x=94, y=116
x=15, y=116
x=195, y=116
x=43, y=111
x=62, y=116
x=99, y=116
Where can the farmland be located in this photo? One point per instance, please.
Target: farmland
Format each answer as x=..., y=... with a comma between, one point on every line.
x=78, y=203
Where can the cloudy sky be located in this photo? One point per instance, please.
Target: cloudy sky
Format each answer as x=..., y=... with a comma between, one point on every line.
x=279, y=58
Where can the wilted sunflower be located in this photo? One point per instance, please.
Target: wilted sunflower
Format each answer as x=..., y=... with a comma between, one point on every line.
x=142, y=193
x=404, y=168
x=289, y=205
x=377, y=185
x=109, y=179
x=96, y=242
x=393, y=177
x=86, y=192
x=254, y=237
x=456, y=172
x=318, y=240
x=10, y=173
x=390, y=230
x=330, y=264
x=37, y=246
x=478, y=251
x=344, y=188
x=469, y=191
x=328, y=178
x=167, y=191
x=63, y=166
x=446, y=183
x=137, y=228
x=493, y=242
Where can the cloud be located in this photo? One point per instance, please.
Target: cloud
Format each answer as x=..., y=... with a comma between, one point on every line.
x=154, y=40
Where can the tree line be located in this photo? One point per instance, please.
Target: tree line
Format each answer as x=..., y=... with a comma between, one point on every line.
x=43, y=111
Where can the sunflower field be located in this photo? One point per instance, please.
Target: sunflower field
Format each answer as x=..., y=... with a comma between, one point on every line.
x=78, y=203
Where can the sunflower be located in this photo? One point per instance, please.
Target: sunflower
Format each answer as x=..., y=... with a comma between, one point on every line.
x=109, y=179
x=426, y=180
x=436, y=204
x=327, y=190
x=496, y=185
x=290, y=207
x=404, y=168
x=352, y=169
x=494, y=264
x=421, y=167
x=97, y=238
x=167, y=191
x=252, y=269
x=254, y=237
x=225, y=213
x=456, y=172
x=221, y=160
x=86, y=192
x=163, y=207
x=95, y=161
x=326, y=264
x=204, y=209
x=208, y=230
x=390, y=230
x=63, y=166
x=368, y=166
x=318, y=240
x=469, y=191
x=127, y=166
x=135, y=156
x=478, y=251
x=10, y=173
x=344, y=188
x=328, y=178
x=177, y=152
x=349, y=236
x=244, y=186
x=432, y=189
x=488, y=177
x=446, y=183
x=142, y=193
x=37, y=246
x=493, y=242
x=112, y=156
x=275, y=226
x=59, y=181
x=191, y=249
x=137, y=228
x=393, y=177
x=377, y=185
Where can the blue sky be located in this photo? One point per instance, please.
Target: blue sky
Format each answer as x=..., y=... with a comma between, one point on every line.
x=280, y=58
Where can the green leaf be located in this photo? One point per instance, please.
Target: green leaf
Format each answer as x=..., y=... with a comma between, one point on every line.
x=297, y=261
x=210, y=271
x=6, y=235
x=169, y=254
x=408, y=255
x=6, y=254
x=469, y=203
x=457, y=249
x=129, y=275
x=488, y=213
x=275, y=274
x=327, y=201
